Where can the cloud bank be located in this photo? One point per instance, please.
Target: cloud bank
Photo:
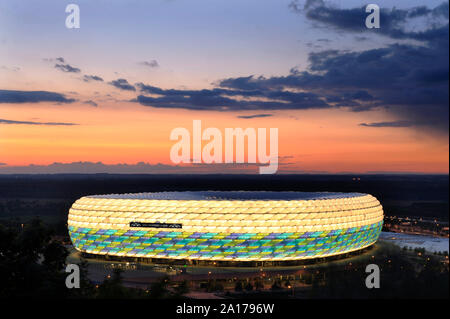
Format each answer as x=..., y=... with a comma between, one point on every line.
x=4, y=121
x=14, y=96
x=138, y=168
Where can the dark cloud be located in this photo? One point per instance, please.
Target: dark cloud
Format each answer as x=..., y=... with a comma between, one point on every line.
x=394, y=22
x=226, y=100
x=123, y=85
x=389, y=124
x=89, y=78
x=67, y=68
x=90, y=102
x=409, y=81
x=11, y=96
x=3, y=121
x=150, y=64
x=253, y=116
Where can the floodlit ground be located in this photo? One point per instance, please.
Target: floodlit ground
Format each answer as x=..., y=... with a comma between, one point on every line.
x=139, y=275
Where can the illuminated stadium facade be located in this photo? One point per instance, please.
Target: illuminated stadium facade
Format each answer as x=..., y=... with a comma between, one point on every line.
x=225, y=226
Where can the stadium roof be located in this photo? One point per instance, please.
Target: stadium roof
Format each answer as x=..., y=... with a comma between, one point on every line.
x=231, y=195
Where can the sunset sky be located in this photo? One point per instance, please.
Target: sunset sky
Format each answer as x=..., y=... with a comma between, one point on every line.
x=343, y=97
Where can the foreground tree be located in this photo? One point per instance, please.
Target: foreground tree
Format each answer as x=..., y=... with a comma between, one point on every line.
x=31, y=264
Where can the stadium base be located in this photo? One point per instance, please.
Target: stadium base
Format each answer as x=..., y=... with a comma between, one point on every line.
x=222, y=263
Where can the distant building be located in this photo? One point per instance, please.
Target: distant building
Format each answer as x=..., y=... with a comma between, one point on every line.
x=225, y=226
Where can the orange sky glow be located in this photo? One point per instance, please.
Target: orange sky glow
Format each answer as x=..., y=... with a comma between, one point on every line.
x=314, y=140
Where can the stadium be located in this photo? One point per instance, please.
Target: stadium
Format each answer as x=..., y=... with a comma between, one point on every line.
x=234, y=226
